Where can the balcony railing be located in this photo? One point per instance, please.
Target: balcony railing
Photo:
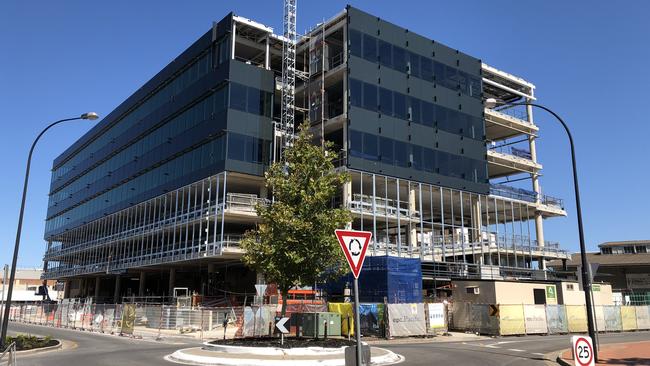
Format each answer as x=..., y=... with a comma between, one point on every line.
x=513, y=192
x=525, y=195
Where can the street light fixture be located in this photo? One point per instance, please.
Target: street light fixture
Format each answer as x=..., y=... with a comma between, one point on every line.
x=5, y=318
x=586, y=279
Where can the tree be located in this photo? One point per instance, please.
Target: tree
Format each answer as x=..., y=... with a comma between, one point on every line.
x=294, y=243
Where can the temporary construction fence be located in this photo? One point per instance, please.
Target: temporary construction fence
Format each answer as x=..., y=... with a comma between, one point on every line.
x=519, y=319
x=393, y=320
x=147, y=319
x=127, y=319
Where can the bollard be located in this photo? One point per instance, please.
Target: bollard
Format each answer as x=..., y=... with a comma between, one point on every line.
x=225, y=325
x=348, y=320
x=325, y=321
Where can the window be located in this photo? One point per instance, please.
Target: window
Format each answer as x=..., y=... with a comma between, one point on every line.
x=569, y=287
x=237, y=96
x=386, y=152
x=427, y=114
x=356, y=143
x=606, y=250
x=355, y=93
x=401, y=154
x=369, y=48
x=414, y=110
x=385, y=54
x=641, y=249
x=426, y=69
x=386, y=101
x=369, y=97
x=399, y=105
x=416, y=157
x=428, y=161
x=355, y=42
x=628, y=249
x=399, y=59
x=370, y=146
x=414, y=64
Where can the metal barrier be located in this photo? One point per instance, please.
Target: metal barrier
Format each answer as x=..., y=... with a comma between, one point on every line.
x=519, y=319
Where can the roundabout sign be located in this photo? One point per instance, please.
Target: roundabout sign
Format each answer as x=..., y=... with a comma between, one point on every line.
x=583, y=351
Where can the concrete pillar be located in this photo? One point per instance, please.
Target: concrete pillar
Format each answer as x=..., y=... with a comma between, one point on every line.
x=66, y=289
x=413, y=232
x=267, y=55
x=172, y=282
x=98, y=281
x=118, y=290
x=141, y=285
x=539, y=221
x=233, y=39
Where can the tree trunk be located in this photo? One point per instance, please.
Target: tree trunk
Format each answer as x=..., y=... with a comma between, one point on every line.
x=285, y=294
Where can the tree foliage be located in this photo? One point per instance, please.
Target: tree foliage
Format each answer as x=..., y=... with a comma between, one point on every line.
x=294, y=244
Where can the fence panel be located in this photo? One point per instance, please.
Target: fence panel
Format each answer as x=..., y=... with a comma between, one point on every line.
x=257, y=320
x=535, y=319
x=406, y=320
x=599, y=313
x=371, y=317
x=511, y=320
x=628, y=318
x=643, y=317
x=612, y=318
x=482, y=321
x=576, y=318
x=461, y=316
x=556, y=319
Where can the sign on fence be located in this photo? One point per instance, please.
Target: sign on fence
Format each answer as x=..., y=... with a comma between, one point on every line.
x=371, y=318
x=406, y=320
x=436, y=316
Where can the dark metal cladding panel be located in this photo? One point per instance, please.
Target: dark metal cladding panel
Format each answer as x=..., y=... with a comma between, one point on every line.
x=429, y=76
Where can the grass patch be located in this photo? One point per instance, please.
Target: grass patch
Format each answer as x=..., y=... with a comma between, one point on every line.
x=27, y=342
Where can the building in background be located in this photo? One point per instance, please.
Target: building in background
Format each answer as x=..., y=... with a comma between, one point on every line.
x=158, y=194
x=26, y=286
x=623, y=264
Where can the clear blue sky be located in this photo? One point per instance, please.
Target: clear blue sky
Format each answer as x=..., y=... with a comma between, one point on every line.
x=589, y=60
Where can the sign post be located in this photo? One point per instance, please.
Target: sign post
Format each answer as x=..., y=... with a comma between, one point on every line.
x=354, y=245
x=583, y=351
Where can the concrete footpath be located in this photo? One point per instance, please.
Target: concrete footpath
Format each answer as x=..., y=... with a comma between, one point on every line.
x=633, y=353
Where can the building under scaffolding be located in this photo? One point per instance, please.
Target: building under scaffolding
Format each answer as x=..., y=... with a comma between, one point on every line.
x=158, y=194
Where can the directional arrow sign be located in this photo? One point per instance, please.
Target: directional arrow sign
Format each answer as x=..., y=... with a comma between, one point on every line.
x=280, y=325
x=354, y=244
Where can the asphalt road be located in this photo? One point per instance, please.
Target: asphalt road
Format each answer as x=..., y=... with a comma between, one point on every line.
x=97, y=349
x=528, y=350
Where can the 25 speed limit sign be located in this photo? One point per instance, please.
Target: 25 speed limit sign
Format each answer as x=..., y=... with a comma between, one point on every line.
x=583, y=351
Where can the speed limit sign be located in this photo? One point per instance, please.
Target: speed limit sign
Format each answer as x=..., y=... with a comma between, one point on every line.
x=583, y=351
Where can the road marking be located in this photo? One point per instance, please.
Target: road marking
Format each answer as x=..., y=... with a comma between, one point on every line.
x=492, y=346
x=538, y=354
x=516, y=350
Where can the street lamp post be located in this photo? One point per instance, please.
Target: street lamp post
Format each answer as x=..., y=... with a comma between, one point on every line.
x=5, y=317
x=586, y=279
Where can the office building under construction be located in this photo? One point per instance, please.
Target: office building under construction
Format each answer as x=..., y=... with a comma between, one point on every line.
x=159, y=193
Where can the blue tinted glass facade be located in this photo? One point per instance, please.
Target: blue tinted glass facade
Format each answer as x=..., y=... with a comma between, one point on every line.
x=177, y=132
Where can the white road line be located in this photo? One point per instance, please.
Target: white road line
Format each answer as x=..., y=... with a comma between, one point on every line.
x=516, y=350
x=492, y=346
x=538, y=354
